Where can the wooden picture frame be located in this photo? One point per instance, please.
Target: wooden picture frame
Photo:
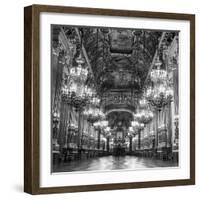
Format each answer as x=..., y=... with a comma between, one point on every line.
x=32, y=102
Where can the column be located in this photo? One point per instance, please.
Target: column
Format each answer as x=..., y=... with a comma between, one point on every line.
x=98, y=139
x=63, y=128
x=130, y=144
x=139, y=139
x=79, y=129
x=107, y=144
x=156, y=131
x=169, y=131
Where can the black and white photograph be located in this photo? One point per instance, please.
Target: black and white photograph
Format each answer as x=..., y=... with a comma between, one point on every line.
x=114, y=99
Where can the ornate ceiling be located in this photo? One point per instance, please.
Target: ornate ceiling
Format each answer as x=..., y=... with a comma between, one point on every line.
x=120, y=61
x=120, y=58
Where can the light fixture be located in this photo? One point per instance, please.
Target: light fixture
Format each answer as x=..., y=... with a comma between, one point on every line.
x=143, y=103
x=79, y=73
x=93, y=114
x=101, y=124
x=158, y=75
x=159, y=96
x=144, y=116
x=137, y=126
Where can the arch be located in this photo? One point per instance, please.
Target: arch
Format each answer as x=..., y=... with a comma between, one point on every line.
x=119, y=110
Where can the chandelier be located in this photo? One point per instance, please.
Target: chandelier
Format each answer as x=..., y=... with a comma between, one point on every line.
x=131, y=131
x=107, y=129
x=93, y=114
x=95, y=100
x=79, y=73
x=137, y=126
x=89, y=93
x=143, y=103
x=101, y=124
x=158, y=75
x=145, y=116
x=72, y=127
x=159, y=96
x=75, y=94
x=56, y=117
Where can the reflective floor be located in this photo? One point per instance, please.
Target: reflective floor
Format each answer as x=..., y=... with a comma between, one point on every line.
x=112, y=163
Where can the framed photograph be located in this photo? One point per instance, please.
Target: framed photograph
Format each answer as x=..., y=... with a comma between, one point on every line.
x=109, y=99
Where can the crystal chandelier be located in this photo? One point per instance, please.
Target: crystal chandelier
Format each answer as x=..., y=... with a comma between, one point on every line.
x=79, y=73
x=158, y=75
x=93, y=114
x=159, y=96
x=72, y=127
x=143, y=103
x=136, y=125
x=75, y=94
x=89, y=92
x=101, y=124
x=131, y=131
x=145, y=116
x=107, y=129
x=56, y=117
x=95, y=100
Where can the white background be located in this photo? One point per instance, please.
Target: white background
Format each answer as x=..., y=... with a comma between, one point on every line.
x=11, y=101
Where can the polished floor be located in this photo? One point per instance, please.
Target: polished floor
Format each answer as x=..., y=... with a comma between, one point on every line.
x=112, y=163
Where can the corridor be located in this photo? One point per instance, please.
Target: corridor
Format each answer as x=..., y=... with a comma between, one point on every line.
x=112, y=163
x=115, y=99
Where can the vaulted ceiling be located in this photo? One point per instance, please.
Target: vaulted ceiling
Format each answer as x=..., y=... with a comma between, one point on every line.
x=120, y=58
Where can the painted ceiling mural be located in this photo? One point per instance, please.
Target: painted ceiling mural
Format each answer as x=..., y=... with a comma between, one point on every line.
x=120, y=58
